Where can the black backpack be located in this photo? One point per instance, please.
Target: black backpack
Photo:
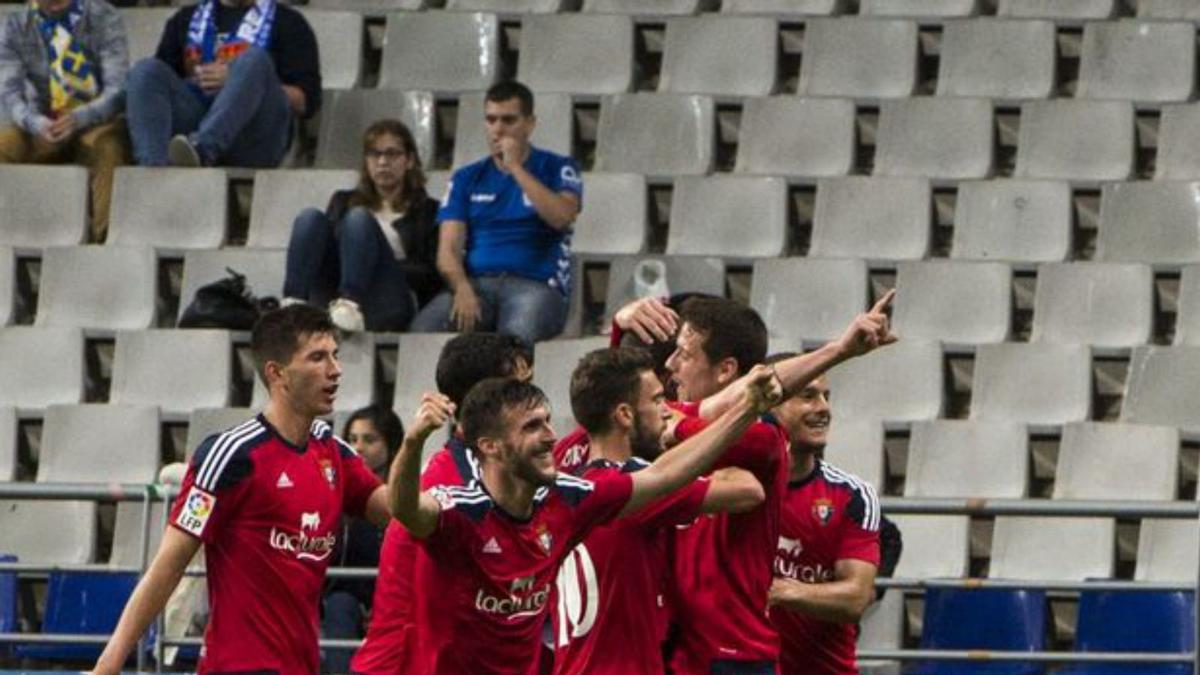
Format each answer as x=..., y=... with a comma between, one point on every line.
x=226, y=303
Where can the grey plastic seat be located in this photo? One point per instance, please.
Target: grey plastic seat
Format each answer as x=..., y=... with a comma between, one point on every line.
x=967, y=458
x=555, y=126
x=43, y=205
x=788, y=8
x=44, y=366
x=614, y=215
x=1078, y=139
x=859, y=58
x=856, y=447
x=899, y=383
x=108, y=288
x=1053, y=548
x=647, y=7
x=1034, y=383
x=147, y=202
x=556, y=361
x=1168, y=9
x=1138, y=60
x=263, y=269
x=8, y=443
x=142, y=361
x=347, y=114
x=919, y=8
x=577, y=53
x=25, y=524
x=1013, y=220
x=1057, y=9
x=1167, y=550
x=873, y=218
x=204, y=422
x=952, y=301
x=656, y=134
x=340, y=46
x=795, y=136
x=627, y=275
x=805, y=300
x=281, y=194
x=997, y=58
x=935, y=137
x=1178, y=157
x=935, y=546
x=1187, y=319
x=436, y=183
x=127, y=534
x=507, y=6
x=416, y=368
x=726, y=56
x=730, y=216
x=442, y=51
x=8, y=285
x=882, y=627
x=371, y=7
x=144, y=28
x=1101, y=304
x=1161, y=388
x=1093, y=462
x=1150, y=222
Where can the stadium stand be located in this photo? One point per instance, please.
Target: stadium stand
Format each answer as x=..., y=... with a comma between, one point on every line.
x=416, y=365
x=935, y=546
x=518, y=6
x=341, y=68
x=981, y=620
x=280, y=195
x=727, y=56
x=146, y=203
x=1176, y=158
x=8, y=282
x=1167, y=550
x=1164, y=624
x=796, y=136
x=1029, y=548
x=1014, y=220
x=1187, y=322
x=1149, y=222
x=730, y=216
x=42, y=206
x=919, y=8
x=856, y=446
x=860, y=58
x=347, y=114
x=1041, y=384
x=1076, y=139
x=678, y=274
x=656, y=134
x=263, y=269
x=50, y=370
x=440, y=51
x=998, y=59
x=615, y=221
x=1159, y=388
x=8, y=443
x=900, y=384
x=551, y=360
x=600, y=60
x=144, y=27
x=1167, y=9
x=955, y=302
x=872, y=218
x=93, y=287
x=141, y=357
x=1093, y=453
x=789, y=8
x=961, y=458
x=648, y=7
x=935, y=137
x=1099, y=304
x=810, y=300
x=1057, y=9
x=1138, y=61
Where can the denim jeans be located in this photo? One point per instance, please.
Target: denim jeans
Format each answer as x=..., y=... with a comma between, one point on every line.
x=354, y=261
x=731, y=667
x=247, y=124
x=529, y=309
x=342, y=620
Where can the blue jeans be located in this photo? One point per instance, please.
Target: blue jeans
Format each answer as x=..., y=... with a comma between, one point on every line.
x=731, y=667
x=342, y=620
x=351, y=259
x=531, y=310
x=247, y=124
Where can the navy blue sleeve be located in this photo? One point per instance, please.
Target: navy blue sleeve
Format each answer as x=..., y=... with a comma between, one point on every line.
x=297, y=59
x=220, y=463
x=174, y=39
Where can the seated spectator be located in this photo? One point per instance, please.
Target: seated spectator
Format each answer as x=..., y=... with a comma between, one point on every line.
x=62, y=67
x=504, y=245
x=375, y=433
x=226, y=86
x=375, y=245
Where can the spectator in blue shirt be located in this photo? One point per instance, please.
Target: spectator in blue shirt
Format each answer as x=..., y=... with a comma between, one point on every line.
x=505, y=231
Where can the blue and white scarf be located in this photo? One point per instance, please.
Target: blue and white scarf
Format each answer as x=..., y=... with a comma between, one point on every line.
x=254, y=31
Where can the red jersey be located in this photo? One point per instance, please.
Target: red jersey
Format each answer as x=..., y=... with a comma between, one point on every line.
x=610, y=617
x=387, y=648
x=571, y=451
x=490, y=574
x=268, y=512
x=829, y=516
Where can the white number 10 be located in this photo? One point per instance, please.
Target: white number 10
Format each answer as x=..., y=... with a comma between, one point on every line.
x=578, y=595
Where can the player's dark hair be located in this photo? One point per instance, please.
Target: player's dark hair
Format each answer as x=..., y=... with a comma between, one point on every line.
x=603, y=380
x=507, y=91
x=729, y=330
x=470, y=357
x=277, y=334
x=482, y=412
x=385, y=422
x=661, y=350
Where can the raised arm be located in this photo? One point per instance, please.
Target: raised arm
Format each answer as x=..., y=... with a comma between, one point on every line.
x=557, y=209
x=842, y=600
x=416, y=510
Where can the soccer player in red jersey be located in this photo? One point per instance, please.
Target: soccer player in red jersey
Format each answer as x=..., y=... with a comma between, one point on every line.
x=464, y=360
x=828, y=547
x=264, y=498
x=492, y=549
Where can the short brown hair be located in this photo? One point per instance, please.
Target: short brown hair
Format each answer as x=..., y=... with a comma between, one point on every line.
x=277, y=334
x=730, y=330
x=605, y=379
x=483, y=409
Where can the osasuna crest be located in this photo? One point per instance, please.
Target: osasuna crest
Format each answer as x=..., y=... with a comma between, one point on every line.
x=329, y=472
x=544, y=539
x=822, y=510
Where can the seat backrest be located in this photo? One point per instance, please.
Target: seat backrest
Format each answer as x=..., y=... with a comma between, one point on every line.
x=997, y=58
x=91, y=442
x=416, y=368
x=1168, y=9
x=1094, y=456
x=1187, y=318
x=795, y=136
x=45, y=366
x=1177, y=158
x=1015, y=220
x=1161, y=387
x=263, y=269
x=731, y=216
x=204, y=422
x=26, y=522
x=859, y=58
x=356, y=389
x=785, y=7
x=967, y=458
x=144, y=29
x=882, y=625
x=646, y=7
x=919, y=8
x=1167, y=550
x=873, y=218
x=371, y=7
x=1076, y=139
x=281, y=194
x=1149, y=222
x=1053, y=548
x=8, y=445
x=1138, y=60
x=935, y=137
x=83, y=602
x=555, y=126
x=808, y=299
x=952, y=301
x=510, y=6
x=1057, y=9
x=8, y=284
x=1165, y=622
x=725, y=56
x=146, y=203
x=347, y=114
x=127, y=534
x=934, y=546
x=856, y=447
x=339, y=44
x=442, y=51
x=578, y=53
x=43, y=205
x=1101, y=304
x=657, y=134
x=614, y=215
x=202, y=358
x=633, y=277
x=985, y=619
x=899, y=383
x=108, y=287
x=1034, y=383
x=556, y=361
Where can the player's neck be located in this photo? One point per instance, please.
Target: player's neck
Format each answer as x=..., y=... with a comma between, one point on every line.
x=511, y=493
x=803, y=463
x=287, y=421
x=612, y=447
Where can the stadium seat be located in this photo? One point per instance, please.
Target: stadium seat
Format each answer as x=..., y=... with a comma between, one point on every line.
x=8, y=595
x=1013, y=220
x=919, y=8
x=900, y=383
x=656, y=134
x=108, y=288
x=8, y=448
x=127, y=534
x=788, y=8
x=1168, y=9
x=981, y=620
x=952, y=301
x=1100, y=304
x=1187, y=319
x=634, y=277
x=934, y=546
x=1161, y=388
x=806, y=300
x=882, y=627
x=43, y=205
x=721, y=56
x=50, y=369
x=281, y=194
x=1076, y=139
x=1057, y=9
x=263, y=269
x=1053, y=548
x=935, y=137
x=859, y=58
x=8, y=285
x=507, y=6
x=347, y=114
x=795, y=136
x=144, y=28
x=1140, y=621
x=614, y=215
x=556, y=361
x=1167, y=550
x=577, y=53
x=416, y=368
x=872, y=218
x=555, y=127
x=1036, y=383
x=1094, y=457
x=357, y=386
x=967, y=458
x=202, y=358
x=146, y=204
x=26, y=522
x=729, y=216
x=647, y=7
x=339, y=44
x=371, y=7
x=997, y=58
x=856, y=446
x=442, y=51
x=80, y=603
x=1178, y=158
x=205, y=422
x=1149, y=222
x=1152, y=61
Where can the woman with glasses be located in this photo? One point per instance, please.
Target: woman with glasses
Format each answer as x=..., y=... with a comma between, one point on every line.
x=371, y=254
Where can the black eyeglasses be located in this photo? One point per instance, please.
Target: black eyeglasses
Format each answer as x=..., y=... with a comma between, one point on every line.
x=389, y=154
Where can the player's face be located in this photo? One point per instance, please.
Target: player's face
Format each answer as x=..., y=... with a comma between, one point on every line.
x=310, y=379
x=650, y=418
x=695, y=377
x=504, y=119
x=387, y=162
x=806, y=416
x=368, y=443
x=528, y=446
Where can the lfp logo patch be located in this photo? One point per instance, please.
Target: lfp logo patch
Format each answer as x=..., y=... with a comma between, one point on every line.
x=197, y=507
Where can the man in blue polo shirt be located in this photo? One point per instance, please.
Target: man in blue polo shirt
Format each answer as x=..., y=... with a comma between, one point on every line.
x=505, y=231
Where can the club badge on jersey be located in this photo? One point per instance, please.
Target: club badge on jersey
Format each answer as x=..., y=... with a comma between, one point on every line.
x=822, y=510
x=329, y=472
x=544, y=539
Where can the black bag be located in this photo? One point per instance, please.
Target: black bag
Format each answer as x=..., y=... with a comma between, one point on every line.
x=227, y=303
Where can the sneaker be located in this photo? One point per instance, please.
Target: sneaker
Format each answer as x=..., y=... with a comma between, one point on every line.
x=346, y=315
x=182, y=153
x=289, y=301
